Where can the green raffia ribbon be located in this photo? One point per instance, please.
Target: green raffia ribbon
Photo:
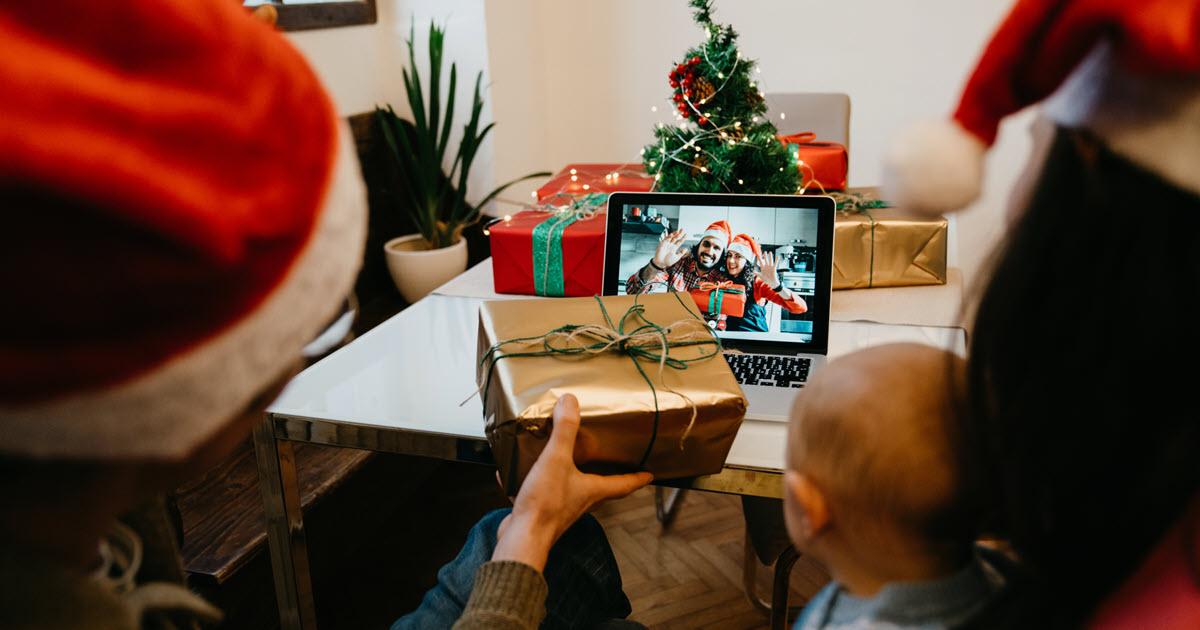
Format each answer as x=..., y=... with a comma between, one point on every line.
x=632, y=335
x=861, y=203
x=548, y=274
x=857, y=202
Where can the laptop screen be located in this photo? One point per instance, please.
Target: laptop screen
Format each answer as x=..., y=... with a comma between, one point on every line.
x=762, y=284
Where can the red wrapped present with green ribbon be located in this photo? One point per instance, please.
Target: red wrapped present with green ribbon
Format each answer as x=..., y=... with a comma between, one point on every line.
x=720, y=298
x=554, y=252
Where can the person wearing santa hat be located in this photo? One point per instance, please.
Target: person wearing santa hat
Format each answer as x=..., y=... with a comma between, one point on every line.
x=747, y=265
x=1079, y=405
x=185, y=213
x=677, y=268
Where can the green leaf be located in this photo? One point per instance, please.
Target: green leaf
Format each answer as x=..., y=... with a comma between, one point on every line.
x=445, y=139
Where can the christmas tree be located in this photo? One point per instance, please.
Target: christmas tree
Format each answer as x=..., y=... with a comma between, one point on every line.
x=722, y=141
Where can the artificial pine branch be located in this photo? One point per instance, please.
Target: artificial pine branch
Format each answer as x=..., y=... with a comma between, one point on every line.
x=724, y=143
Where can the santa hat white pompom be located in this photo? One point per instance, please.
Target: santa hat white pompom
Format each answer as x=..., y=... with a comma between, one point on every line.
x=933, y=167
x=1125, y=71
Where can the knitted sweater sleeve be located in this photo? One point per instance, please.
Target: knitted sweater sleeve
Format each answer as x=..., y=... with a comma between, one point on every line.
x=507, y=596
x=794, y=305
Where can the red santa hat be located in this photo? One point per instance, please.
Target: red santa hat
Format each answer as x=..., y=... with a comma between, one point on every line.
x=1129, y=72
x=746, y=247
x=183, y=213
x=719, y=231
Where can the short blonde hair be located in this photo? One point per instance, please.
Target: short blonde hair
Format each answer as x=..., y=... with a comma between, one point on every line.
x=876, y=431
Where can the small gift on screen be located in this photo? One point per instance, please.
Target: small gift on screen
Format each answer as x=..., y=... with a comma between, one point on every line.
x=720, y=298
x=654, y=392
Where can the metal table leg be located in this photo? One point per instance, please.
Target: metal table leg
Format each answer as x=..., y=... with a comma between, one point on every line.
x=666, y=504
x=285, y=529
x=778, y=610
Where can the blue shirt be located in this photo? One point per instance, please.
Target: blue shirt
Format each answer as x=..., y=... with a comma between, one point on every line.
x=948, y=602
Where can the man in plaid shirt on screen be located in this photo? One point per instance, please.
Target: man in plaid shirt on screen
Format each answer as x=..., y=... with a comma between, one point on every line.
x=680, y=269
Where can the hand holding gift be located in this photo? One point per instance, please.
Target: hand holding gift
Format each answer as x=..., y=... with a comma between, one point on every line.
x=656, y=395
x=555, y=493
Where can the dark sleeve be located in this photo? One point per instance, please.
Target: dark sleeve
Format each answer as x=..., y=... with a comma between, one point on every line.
x=507, y=595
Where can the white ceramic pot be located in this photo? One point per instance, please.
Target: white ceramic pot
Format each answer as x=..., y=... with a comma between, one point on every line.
x=417, y=270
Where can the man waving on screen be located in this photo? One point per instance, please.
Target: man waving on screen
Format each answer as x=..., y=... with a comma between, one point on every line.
x=683, y=269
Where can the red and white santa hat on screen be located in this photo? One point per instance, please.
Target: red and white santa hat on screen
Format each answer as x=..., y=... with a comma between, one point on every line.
x=183, y=212
x=1129, y=72
x=718, y=230
x=746, y=247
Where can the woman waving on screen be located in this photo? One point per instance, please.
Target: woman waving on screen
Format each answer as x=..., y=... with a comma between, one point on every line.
x=746, y=264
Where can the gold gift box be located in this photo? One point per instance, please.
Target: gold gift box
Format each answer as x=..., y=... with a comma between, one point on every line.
x=885, y=247
x=617, y=405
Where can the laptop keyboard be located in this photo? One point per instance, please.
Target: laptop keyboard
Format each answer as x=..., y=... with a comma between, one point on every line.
x=770, y=370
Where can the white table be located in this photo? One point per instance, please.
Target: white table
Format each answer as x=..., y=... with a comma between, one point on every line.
x=400, y=389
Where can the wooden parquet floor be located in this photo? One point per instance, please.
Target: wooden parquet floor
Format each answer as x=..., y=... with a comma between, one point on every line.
x=689, y=575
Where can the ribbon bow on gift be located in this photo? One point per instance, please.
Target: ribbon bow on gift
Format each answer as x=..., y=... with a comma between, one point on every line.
x=548, y=273
x=724, y=285
x=634, y=336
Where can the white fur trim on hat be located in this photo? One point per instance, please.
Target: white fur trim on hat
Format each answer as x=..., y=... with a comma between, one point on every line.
x=745, y=252
x=717, y=234
x=933, y=167
x=168, y=412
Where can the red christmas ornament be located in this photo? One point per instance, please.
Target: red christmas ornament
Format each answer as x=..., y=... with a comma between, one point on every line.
x=674, y=83
x=678, y=97
x=680, y=68
x=686, y=113
x=694, y=61
x=702, y=120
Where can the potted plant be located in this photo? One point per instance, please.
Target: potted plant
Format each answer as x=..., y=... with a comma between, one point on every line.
x=436, y=200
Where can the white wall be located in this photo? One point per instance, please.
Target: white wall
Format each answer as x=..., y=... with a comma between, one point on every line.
x=574, y=80
x=361, y=65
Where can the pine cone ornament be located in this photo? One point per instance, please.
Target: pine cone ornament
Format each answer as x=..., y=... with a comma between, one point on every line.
x=702, y=90
x=698, y=163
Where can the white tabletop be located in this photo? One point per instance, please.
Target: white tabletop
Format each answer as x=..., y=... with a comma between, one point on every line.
x=412, y=372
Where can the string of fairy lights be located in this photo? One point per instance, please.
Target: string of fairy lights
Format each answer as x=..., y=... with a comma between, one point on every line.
x=694, y=144
x=703, y=135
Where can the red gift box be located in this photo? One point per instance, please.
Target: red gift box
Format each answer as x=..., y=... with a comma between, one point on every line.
x=568, y=262
x=823, y=165
x=720, y=298
x=581, y=179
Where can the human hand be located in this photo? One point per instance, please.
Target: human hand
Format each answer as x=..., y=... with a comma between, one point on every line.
x=555, y=494
x=768, y=270
x=670, y=249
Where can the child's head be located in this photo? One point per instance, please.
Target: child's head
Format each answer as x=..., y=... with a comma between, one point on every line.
x=874, y=474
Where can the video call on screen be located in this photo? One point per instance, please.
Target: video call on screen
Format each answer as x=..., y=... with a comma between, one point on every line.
x=789, y=234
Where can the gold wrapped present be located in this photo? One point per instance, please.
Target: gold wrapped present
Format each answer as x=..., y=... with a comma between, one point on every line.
x=654, y=393
x=885, y=247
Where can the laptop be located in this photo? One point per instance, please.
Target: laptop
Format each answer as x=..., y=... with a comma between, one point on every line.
x=772, y=349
